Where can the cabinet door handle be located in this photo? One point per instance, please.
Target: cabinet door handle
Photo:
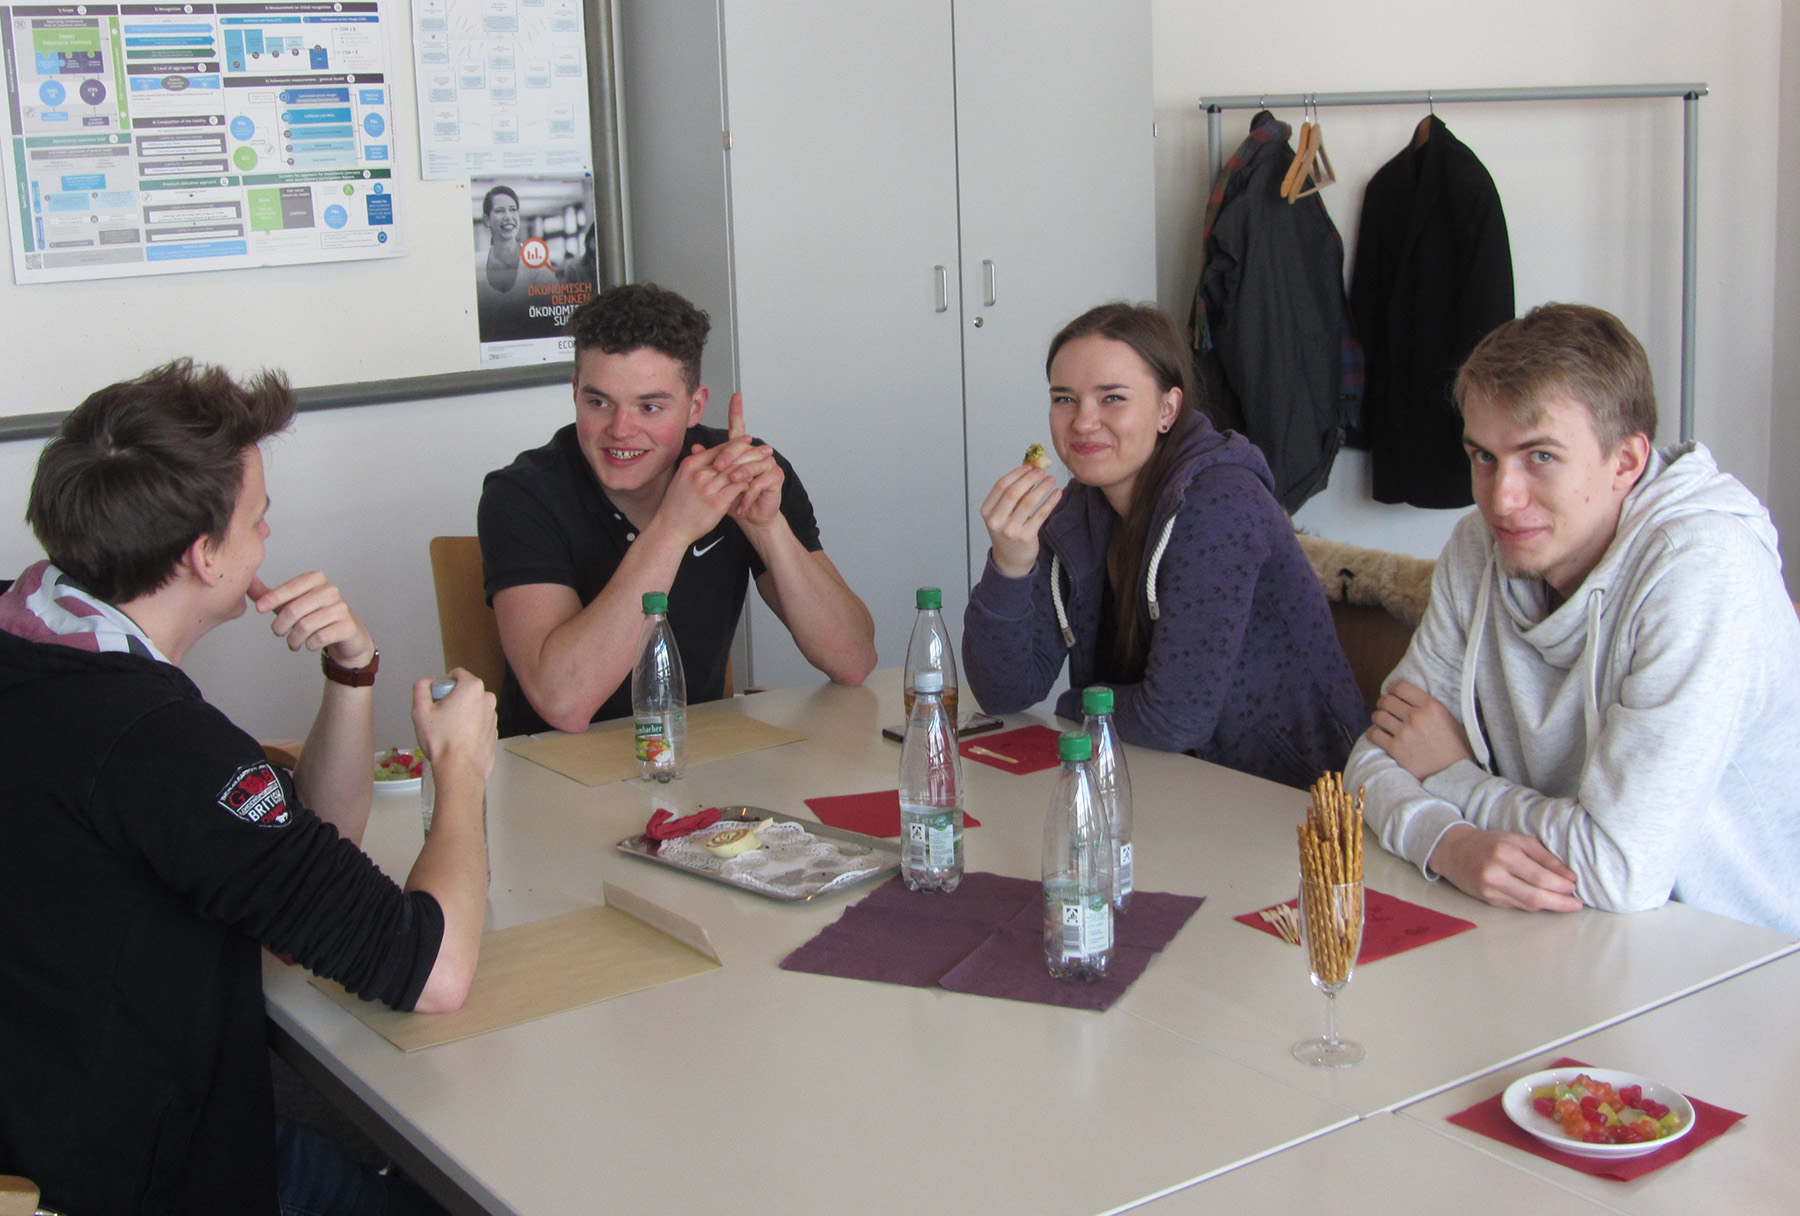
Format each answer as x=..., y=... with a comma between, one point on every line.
x=987, y=282
x=942, y=298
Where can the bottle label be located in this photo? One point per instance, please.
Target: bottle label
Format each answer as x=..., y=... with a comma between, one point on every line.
x=1122, y=868
x=933, y=841
x=654, y=747
x=1086, y=926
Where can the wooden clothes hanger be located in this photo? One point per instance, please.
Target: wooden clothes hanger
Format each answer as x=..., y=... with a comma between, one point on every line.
x=1422, y=132
x=1318, y=164
x=1297, y=167
x=1310, y=163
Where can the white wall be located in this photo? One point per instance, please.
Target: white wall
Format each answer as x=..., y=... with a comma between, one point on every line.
x=1592, y=190
x=357, y=493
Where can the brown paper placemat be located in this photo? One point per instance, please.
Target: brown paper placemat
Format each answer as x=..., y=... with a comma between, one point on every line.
x=563, y=962
x=608, y=753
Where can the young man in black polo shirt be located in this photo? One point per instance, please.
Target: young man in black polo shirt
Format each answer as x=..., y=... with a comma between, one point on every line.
x=636, y=496
x=147, y=848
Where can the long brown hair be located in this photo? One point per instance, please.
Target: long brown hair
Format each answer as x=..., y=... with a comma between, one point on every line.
x=1147, y=330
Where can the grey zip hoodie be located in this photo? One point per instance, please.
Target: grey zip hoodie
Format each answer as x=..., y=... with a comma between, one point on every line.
x=1647, y=730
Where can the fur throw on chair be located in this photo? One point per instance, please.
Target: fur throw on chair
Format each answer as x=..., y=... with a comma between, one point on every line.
x=1399, y=584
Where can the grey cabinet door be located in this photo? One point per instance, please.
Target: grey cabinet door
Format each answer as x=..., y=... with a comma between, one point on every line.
x=842, y=178
x=1057, y=182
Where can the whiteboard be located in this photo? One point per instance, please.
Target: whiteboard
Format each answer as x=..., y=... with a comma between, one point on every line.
x=341, y=325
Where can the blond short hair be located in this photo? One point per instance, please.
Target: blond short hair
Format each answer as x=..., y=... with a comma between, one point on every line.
x=1573, y=349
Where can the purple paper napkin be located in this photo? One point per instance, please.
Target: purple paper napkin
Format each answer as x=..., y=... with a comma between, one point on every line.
x=985, y=938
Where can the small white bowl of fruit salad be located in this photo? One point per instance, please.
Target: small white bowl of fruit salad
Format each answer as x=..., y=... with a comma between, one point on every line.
x=398, y=769
x=1598, y=1112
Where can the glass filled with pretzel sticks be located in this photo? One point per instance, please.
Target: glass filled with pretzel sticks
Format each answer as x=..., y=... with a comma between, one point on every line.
x=1331, y=909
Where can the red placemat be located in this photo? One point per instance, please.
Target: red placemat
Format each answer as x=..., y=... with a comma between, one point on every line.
x=985, y=938
x=873, y=814
x=1029, y=749
x=1488, y=1118
x=1390, y=925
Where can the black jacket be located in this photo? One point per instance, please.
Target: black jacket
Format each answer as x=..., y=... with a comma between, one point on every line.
x=1272, y=335
x=1433, y=277
x=146, y=848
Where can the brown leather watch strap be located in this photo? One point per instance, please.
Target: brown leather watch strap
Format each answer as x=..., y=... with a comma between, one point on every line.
x=355, y=677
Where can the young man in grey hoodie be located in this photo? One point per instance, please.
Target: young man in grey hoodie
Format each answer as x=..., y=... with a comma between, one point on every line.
x=1602, y=704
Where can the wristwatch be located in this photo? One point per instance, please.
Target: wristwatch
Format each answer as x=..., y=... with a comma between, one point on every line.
x=354, y=677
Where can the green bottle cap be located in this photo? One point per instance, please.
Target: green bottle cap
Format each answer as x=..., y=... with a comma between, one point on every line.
x=656, y=601
x=930, y=597
x=1096, y=699
x=1076, y=745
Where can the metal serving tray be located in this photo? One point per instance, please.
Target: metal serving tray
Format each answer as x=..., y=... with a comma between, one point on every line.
x=885, y=855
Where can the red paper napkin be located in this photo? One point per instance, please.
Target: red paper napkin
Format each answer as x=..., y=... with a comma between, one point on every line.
x=873, y=814
x=1488, y=1118
x=1390, y=925
x=1029, y=749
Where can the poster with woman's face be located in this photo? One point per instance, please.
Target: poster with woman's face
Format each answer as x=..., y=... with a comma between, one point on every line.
x=535, y=263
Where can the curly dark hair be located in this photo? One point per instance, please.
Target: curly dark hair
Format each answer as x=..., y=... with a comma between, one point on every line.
x=144, y=468
x=622, y=319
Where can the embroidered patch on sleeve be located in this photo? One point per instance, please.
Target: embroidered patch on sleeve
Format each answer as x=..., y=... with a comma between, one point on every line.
x=255, y=796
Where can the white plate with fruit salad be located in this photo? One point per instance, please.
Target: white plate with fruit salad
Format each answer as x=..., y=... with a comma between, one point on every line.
x=399, y=769
x=1614, y=1114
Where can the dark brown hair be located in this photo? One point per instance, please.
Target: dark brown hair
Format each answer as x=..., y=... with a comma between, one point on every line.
x=622, y=319
x=144, y=468
x=1582, y=351
x=1147, y=330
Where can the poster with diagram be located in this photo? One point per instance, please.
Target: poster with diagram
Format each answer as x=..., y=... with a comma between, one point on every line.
x=158, y=138
x=502, y=87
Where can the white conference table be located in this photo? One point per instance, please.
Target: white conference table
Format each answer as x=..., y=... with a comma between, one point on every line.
x=1733, y=1045
x=808, y=1092
x=1730, y=1044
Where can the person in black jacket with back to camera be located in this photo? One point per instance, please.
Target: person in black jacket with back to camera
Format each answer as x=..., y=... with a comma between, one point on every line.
x=147, y=847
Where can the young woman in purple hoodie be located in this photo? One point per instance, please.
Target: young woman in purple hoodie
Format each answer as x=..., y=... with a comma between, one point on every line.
x=1165, y=569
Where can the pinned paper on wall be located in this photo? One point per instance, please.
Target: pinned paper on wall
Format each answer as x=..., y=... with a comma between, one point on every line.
x=155, y=141
x=503, y=88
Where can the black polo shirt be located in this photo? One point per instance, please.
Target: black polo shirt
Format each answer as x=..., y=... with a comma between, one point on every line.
x=544, y=518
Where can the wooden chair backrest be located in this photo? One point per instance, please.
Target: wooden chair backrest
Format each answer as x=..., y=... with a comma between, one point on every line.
x=466, y=625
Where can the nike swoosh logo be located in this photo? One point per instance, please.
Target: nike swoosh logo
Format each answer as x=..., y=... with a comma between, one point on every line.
x=699, y=552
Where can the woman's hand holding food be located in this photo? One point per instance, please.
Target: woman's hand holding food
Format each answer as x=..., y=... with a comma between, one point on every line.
x=1014, y=511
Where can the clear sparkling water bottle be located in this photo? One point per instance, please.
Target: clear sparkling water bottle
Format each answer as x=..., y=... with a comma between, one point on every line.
x=441, y=687
x=930, y=650
x=1078, y=855
x=931, y=813
x=659, y=695
x=1114, y=782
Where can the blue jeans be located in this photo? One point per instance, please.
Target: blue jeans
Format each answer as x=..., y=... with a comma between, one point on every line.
x=317, y=1177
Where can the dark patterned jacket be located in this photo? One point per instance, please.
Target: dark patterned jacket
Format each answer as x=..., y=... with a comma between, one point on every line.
x=1273, y=343
x=1244, y=667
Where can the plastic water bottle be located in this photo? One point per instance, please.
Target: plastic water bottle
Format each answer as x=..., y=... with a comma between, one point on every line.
x=931, y=816
x=1114, y=782
x=441, y=687
x=659, y=695
x=930, y=650
x=1078, y=915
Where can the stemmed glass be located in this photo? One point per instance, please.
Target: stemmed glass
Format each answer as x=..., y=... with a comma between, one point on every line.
x=1331, y=925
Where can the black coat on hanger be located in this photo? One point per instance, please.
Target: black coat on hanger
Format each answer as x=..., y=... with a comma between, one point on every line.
x=1433, y=276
